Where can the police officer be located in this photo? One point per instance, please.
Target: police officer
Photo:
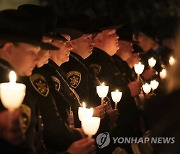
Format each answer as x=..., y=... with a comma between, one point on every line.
x=20, y=43
x=125, y=51
x=120, y=59
x=45, y=83
x=106, y=45
x=82, y=79
x=77, y=72
x=147, y=40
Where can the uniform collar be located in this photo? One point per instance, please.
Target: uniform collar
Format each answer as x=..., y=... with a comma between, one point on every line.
x=73, y=54
x=79, y=59
x=102, y=52
x=53, y=64
x=5, y=65
x=119, y=58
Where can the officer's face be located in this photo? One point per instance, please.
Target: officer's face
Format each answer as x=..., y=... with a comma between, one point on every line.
x=145, y=42
x=61, y=55
x=125, y=48
x=23, y=58
x=44, y=55
x=110, y=41
x=83, y=45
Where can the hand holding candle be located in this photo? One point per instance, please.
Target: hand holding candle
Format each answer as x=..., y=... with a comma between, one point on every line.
x=116, y=97
x=12, y=93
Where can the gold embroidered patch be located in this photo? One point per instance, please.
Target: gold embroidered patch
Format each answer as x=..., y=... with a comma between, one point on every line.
x=56, y=82
x=96, y=69
x=74, y=78
x=40, y=84
x=25, y=117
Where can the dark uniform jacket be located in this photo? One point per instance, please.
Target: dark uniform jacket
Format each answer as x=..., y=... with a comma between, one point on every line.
x=85, y=84
x=105, y=69
x=44, y=83
x=81, y=79
x=68, y=93
x=29, y=119
x=128, y=76
x=128, y=73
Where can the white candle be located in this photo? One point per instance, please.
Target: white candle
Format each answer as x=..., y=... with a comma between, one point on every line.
x=139, y=68
x=171, y=60
x=152, y=62
x=163, y=73
x=84, y=112
x=12, y=93
x=90, y=125
x=116, y=97
x=102, y=91
x=154, y=84
x=146, y=88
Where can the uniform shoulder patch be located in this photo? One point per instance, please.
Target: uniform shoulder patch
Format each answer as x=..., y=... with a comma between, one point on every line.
x=57, y=83
x=96, y=69
x=74, y=78
x=25, y=117
x=40, y=84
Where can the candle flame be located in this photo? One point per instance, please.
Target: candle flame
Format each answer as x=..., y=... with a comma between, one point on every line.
x=12, y=77
x=84, y=105
x=103, y=84
x=117, y=90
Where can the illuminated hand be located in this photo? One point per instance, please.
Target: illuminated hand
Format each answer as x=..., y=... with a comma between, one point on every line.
x=10, y=127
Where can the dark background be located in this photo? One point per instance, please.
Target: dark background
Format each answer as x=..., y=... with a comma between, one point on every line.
x=158, y=13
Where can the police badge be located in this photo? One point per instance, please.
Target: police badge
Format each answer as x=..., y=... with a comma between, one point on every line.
x=40, y=84
x=74, y=78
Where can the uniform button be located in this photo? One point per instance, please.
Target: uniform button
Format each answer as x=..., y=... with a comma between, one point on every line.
x=42, y=125
x=40, y=117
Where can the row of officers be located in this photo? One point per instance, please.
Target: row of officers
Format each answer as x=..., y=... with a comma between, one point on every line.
x=61, y=61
